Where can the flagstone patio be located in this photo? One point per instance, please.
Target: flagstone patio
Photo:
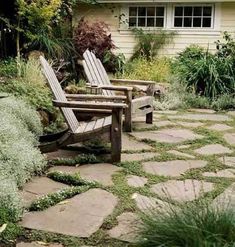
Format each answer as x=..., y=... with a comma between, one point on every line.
x=186, y=156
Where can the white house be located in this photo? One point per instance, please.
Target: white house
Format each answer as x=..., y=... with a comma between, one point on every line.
x=197, y=22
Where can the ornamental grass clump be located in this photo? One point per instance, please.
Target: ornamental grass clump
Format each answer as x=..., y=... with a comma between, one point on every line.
x=191, y=225
x=209, y=75
x=19, y=157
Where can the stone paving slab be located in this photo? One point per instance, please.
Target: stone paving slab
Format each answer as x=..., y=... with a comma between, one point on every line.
x=62, y=153
x=127, y=227
x=182, y=191
x=190, y=124
x=184, y=147
x=173, y=168
x=209, y=111
x=178, y=153
x=213, y=149
x=230, y=138
x=39, y=187
x=231, y=113
x=101, y=173
x=202, y=117
x=219, y=127
x=227, y=173
x=37, y=244
x=81, y=216
x=157, y=116
x=228, y=161
x=164, y=123
x=138, y=156
x=146, y=204
x=226, y=200
x=170, y=112
x=140, y=125
x=136, y=181
x=168, y=135
x=139, y=119
x=129, y=144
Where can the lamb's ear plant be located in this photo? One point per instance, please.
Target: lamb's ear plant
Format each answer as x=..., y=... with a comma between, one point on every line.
x=191, y=224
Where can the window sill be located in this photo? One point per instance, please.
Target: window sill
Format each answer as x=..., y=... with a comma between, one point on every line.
x=179, y=31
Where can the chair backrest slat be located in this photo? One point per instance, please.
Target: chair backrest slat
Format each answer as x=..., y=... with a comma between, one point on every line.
x=90, y=63
x=95, y=74
x=59, y=94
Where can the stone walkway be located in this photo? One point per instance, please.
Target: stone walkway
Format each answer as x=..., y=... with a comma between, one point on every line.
x=181, y=157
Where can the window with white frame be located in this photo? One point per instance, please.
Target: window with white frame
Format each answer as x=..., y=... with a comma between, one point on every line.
x=147, y=16
x=193, y=16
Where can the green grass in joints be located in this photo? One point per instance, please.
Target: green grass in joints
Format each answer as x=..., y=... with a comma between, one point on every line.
x=70, y=179
x=78, y=160
x=52, y=199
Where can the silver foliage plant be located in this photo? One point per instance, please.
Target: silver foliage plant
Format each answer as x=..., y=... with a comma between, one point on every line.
x=10, y=200
x=25, y=113
x=19, y=157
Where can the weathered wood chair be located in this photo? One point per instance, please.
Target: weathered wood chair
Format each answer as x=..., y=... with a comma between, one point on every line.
x=109, y=127
x=97, y=77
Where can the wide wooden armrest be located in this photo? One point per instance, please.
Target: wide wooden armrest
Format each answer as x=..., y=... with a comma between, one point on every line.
x=117, y=88
x=135, y=82
x=94, y=97
x=89, y=105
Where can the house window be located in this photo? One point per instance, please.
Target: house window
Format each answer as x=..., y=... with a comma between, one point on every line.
x=193, y=16
x=147, y=16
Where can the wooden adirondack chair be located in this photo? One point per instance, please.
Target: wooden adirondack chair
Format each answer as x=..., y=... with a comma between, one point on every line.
x=97, y=77
x=109, y=127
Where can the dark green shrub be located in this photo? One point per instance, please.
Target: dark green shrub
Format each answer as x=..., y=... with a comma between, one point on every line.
x=191, y=225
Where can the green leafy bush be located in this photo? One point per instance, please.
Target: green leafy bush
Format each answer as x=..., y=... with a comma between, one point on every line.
x=224, y=102
x=8, y=68
x=149, y=43
x=19, y=158
x=208, y=74
x=192, y=224
x=29, y=86
x=158, y=69
x=193, y=100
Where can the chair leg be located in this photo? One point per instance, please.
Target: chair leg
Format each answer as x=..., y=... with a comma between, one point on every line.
x=116, y=135
x=128, y=120
x=128, y=112
x=149, y=118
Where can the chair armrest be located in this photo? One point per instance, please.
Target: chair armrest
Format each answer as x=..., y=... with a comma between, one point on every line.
x=89, y=105
x=83, y=97
x=135, y=82
x=117, y=88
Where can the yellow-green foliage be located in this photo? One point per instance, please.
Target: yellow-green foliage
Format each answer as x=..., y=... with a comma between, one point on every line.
x=158, y=69
x=38, y=12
